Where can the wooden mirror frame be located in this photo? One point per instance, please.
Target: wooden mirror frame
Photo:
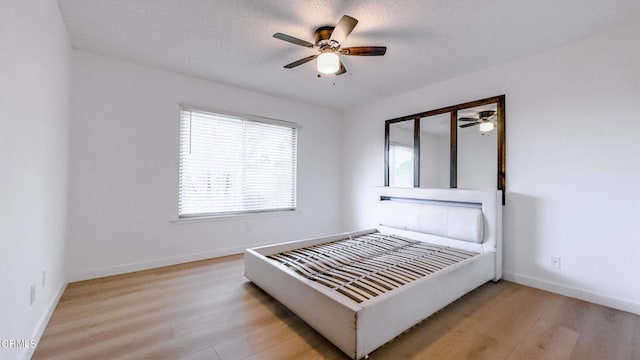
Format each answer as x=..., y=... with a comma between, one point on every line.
x=453, y=143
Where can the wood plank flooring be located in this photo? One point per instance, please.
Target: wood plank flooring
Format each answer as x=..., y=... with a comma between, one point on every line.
x=208, y=310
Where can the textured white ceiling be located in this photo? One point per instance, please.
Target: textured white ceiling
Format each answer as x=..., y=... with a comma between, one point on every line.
x=428, y=40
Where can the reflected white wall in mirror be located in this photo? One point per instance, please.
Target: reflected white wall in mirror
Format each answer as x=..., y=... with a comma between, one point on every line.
x=435, y=151
x=477, y=152
x=401, y=154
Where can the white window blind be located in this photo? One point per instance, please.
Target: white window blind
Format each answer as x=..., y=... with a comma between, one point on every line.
x=230, y=165
x=400, y=166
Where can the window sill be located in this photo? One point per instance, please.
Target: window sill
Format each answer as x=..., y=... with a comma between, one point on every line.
x=231, y=217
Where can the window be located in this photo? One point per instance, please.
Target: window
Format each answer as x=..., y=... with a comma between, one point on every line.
x=232, y=165
x=400, y=166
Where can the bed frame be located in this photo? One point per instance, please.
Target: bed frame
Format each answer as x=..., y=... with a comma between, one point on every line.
x=468, y=220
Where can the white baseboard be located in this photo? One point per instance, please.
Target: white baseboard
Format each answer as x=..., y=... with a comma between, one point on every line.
x=44, y=321
x=151, y=264
x=586, y=295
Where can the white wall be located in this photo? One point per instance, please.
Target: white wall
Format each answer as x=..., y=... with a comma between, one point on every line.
x=573, y=163
x=124, y=161
x=35, y=70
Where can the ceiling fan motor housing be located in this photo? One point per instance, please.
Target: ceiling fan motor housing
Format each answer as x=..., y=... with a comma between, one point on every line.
x=322, y=36
x=484, y=115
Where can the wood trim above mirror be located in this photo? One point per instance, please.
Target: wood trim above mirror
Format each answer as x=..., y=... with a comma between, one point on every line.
x=453, y=166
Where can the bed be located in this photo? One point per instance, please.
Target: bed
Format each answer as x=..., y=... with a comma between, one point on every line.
x=361, y=289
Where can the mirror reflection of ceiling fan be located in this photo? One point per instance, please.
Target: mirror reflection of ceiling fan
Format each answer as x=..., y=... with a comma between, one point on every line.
x=486, y=120
x=328, y=42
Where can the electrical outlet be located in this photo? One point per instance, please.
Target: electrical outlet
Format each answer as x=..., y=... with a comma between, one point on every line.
x=44, y=278
x=555, y=262
x=33, y=294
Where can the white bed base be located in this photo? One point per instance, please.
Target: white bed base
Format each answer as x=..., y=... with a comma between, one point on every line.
x=360, y=328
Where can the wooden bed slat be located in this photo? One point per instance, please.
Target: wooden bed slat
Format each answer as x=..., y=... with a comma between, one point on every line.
x=363, y=267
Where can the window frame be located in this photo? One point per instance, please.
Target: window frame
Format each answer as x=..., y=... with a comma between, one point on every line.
x=243, y=213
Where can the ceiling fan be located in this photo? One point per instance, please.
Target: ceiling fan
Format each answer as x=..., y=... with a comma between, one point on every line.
x=328, y=42
x=486, y=120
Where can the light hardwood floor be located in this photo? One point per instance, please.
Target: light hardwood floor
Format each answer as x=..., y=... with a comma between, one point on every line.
x=208, y=310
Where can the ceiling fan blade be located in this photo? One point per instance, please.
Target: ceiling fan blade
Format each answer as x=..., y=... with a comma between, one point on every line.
x=471, y=124
x=301, y=61
x=342, y=69
x=467, y=119
x=292, y=40
x=343, y=28
x=364, y=51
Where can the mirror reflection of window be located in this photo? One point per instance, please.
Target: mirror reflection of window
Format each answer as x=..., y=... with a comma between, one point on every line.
x=400, y=165
x=401, y=145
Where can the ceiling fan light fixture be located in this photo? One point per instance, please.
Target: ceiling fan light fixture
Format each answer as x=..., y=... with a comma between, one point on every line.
x=487, y=126
x=328, y=62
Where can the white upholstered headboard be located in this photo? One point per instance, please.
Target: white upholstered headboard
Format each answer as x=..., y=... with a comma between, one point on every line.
x=467, y=219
